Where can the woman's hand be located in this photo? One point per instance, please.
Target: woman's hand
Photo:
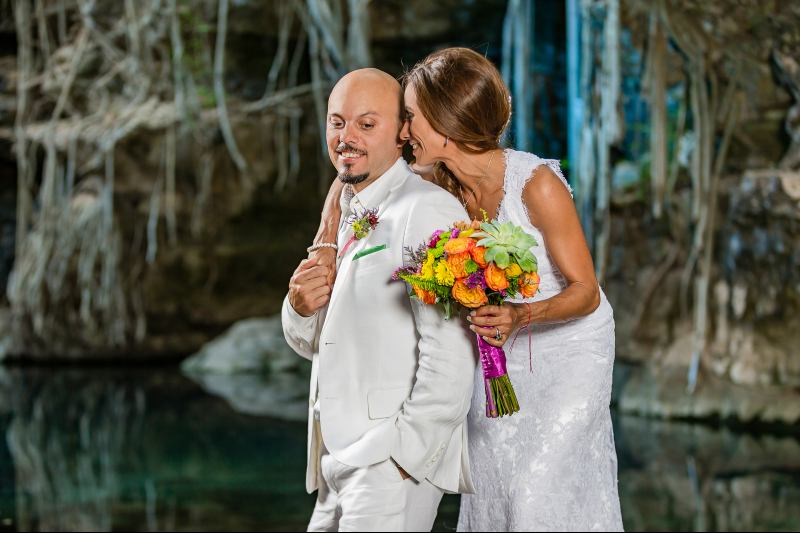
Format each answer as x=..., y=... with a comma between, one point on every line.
x=488, y=320
x=326, y=257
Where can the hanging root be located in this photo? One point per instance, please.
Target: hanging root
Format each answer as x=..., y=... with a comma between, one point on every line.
x=98, y=76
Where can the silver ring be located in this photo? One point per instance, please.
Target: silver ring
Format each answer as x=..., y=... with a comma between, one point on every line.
x=498, y=336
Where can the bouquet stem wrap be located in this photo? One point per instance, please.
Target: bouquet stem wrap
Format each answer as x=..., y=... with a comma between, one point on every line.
x=500, y=397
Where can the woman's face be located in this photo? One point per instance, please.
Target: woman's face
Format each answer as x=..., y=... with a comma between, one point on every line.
x=426, y=143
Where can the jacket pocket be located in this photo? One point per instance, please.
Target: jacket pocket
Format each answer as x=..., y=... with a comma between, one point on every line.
x=383, y=403
x=369, y=251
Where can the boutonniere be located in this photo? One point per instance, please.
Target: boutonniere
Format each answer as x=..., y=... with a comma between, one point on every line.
x=361, y=224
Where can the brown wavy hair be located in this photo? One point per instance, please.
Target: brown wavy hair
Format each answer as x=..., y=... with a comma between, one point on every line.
x=463, y=96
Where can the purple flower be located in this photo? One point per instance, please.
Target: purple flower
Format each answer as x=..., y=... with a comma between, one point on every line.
x=454, y=233
x=476, y=280
x=435, y=238
x=407, y=270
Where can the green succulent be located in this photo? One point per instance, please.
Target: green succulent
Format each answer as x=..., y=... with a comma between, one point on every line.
x=506, y=241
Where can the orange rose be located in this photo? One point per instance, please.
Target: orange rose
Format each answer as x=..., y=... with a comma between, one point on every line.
x=458, y=264
x=495, y=278
x=528, y=284
x=472, y=298
x=478, y=254
x=459, y=245
x=428, y=297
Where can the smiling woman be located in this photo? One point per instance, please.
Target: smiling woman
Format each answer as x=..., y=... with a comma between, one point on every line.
x=474, y=129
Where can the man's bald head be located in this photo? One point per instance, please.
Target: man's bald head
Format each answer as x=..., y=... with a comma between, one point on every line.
x=364, y=121
x=376, y=82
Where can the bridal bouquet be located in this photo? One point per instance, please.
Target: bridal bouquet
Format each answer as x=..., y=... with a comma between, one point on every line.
x=473, y=264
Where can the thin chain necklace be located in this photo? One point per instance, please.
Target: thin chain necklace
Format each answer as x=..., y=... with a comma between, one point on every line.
x=485, y=176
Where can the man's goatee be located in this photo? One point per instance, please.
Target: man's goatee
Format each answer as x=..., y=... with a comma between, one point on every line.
x=352, y=179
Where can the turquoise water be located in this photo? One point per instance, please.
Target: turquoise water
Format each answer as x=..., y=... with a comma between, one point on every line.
x=147, y=449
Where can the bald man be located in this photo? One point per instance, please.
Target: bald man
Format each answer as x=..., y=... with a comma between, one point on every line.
x=391, y=380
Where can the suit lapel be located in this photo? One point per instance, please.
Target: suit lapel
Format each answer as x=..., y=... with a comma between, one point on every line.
x=343, y=279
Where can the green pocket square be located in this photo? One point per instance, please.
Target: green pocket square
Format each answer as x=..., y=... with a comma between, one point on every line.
x=368, y=251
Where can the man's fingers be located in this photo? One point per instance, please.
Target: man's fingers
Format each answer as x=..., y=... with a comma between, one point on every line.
x=318, y=298
x=307, y=286
x=309, y=297
x=318, y=292
x=312, y=273
x=321, y=302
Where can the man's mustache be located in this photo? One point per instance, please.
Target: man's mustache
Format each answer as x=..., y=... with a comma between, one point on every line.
x=344, y=147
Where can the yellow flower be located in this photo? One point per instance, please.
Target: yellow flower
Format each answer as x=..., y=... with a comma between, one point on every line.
x=427, y=267
x=513, y=270
x=443, y=274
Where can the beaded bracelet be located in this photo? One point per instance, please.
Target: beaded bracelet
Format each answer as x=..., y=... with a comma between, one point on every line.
x=315, y=247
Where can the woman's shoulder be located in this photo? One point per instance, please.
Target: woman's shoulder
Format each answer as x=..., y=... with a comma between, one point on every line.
x=530, y=171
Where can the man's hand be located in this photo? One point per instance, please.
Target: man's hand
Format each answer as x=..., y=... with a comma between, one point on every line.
x=309, y=290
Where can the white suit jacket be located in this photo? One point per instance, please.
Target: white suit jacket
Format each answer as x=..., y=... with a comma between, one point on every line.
x=390, y=377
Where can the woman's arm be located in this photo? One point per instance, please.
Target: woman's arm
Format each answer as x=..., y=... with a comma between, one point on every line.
x=552, y=211
x=329, y=229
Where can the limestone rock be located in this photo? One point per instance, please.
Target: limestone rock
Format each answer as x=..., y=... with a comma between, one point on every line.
x=661, y=393
x=252, y=345
x=253, y=368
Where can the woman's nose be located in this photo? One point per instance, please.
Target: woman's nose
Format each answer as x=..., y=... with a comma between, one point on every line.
x=405, y=131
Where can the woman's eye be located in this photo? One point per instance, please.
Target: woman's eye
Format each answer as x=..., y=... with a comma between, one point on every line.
x=336, y=123
x=367, y=126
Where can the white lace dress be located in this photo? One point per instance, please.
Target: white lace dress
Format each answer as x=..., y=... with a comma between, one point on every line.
x=553, y=465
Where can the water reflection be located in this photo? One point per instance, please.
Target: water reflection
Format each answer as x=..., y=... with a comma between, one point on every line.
x=685, y=477
x=147, y=449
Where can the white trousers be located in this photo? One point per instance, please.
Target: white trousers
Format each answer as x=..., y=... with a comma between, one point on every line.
x=371, y=498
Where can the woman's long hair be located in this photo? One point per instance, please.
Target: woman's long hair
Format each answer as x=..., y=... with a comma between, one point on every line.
x=463, y=96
